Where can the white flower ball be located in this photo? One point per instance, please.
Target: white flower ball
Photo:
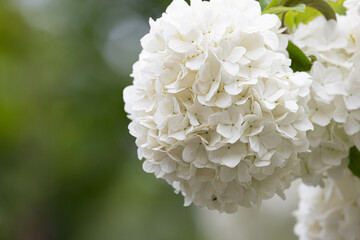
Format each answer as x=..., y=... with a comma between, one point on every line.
x=331, y=213
x=215, y=108
x=335, y=92
x=353, y=7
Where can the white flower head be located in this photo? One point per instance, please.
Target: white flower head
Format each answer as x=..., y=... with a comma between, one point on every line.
x=353, y=7
x=335, y=92
x=330, y=213
x=215, y=108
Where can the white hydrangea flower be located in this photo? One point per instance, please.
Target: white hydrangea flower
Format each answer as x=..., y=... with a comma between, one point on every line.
x=215, y=108
x=353, y=7
x=330, y=213
x=335, y=92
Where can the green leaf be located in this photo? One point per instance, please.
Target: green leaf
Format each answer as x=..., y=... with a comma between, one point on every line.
x=299, y=61
x=264, y=3
x=338, y=8
x=354, y=164
x=320, y=5
x=275, y=3
x=312, y=58
x=293, y=19
x=279, y=10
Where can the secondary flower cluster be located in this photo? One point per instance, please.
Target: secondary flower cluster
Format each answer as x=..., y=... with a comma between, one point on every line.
x=353, y=8
x=331, y=213
x=335, y=92
x=215, y=108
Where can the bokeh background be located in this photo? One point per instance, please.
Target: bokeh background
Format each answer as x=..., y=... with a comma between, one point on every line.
x=68, y=166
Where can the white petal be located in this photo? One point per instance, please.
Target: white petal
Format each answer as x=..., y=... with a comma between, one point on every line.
x=291, y=106
x=168, y=165
x=267, y=21
x=234, y=155
x=256, y=53
x=233, y=88
x=254, y=144
x=336, y=88
x=190, y=152
x=352, y=125
x=225, y=130
x=195, y=63
x=261, y=163
x=270, y=140
x=236, y=54
x=352, y=102
x=227, y=174
x=223, y=100
x=303, y=124
x=179, y=45
x=243, y=173
x=340, y=115
x=271, y=39
x=231, y=68
x=320, y=118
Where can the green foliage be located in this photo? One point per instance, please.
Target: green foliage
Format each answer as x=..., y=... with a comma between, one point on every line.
x=338, y=7
x=299, y=61
x=281, y=9
x=264, y=3
x=312, y=9
x=293, y=19
x=320, y=5
x=354, y=164
x=275, y=3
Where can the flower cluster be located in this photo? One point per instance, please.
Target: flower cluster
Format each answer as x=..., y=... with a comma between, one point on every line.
x=331, y=213
x=335, y=92
x=353, y=7
x=215, y=108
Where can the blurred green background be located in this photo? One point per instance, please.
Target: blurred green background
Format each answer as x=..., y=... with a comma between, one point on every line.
x=68, y=166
